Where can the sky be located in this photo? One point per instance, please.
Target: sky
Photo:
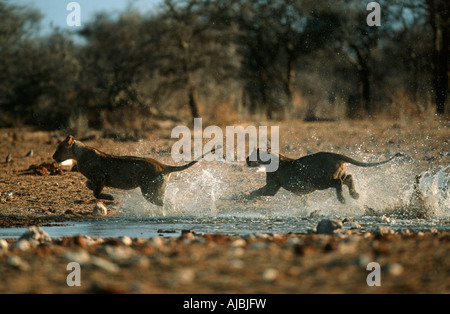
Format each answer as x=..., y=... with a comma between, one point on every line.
x=55, y=11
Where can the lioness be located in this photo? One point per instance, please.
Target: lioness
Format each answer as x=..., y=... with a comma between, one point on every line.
x=122, y=172
x=302, y=176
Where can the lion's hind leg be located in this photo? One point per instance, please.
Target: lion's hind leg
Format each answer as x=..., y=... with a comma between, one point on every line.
x=153, y=191
x=348, y=181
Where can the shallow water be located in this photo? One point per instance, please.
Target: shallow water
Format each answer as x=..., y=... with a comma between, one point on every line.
x=207, y=200
x=168, y=227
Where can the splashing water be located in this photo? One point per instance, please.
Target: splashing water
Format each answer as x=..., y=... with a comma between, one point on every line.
x=193, y=195
x=434, y=189
x=214, y=191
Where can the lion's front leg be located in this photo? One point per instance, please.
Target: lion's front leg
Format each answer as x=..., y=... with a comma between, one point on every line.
x=97, y=187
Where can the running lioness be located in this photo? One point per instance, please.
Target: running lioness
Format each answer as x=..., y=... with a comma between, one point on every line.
x=122, y=172
x=302, y=176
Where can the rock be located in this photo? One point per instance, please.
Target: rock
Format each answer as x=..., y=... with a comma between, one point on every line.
x=354, y=225
x=166, y=231
x=126, y=240
x=382, y=230
x=156, y=242
x=394, y=269
x=328, y=226
x=119, y=254
x=362, y=260
x=16, y=262
x=100, y=209
x=139, y=261
x=184, y=276
x=36, y=233
x=22, y=245
x=269, y=275
x=3, y=246
x=8, y=196
x=259, y=245
x=188, y=235
x=239, y=243
x=104, y=264
x=80, y=256
x=405, y=231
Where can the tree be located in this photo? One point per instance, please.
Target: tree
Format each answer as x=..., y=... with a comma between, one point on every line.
x=37, y=74
x=114, y=57
x=194, y=49
x=357, y=41
x=273, y=37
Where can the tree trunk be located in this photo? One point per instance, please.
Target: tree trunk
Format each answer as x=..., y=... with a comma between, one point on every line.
x=364, y=75
x=264, y=90
x=290, y=81
x=193, y=101
x=440, y=22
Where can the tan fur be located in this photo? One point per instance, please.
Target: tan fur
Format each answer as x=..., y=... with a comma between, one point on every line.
x=122, y=172
x=302, y=176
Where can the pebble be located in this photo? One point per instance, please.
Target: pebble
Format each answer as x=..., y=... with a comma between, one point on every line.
x=184, y=276
x=37, y=234
x=404, y=231
x=394, y=269
x=104, y=264
x=126, y=240
x=82, y=257
x=259, y=245
x=100, y=209
x=22, y=245
x=270, y=275
x=354, y=225
x=3, y=246
x=188, y=235
x=6, y=196
x=362, y=260
x=18, y=263
x=328, y=226
x=383, y=230
x=119, y=254
x=239, y=243
x=156, y=242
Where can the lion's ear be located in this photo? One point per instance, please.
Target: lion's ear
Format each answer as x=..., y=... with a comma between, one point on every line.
x=70, y=140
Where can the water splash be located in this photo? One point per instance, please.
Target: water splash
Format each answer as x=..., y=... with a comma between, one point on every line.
x=214, y=190
x=432, y=192
x=187, y=194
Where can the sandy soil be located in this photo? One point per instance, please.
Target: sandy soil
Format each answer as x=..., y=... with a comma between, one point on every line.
x=192, y=263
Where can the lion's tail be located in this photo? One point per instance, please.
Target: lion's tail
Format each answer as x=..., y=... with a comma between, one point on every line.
x=368, y=164
x=170, y=169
